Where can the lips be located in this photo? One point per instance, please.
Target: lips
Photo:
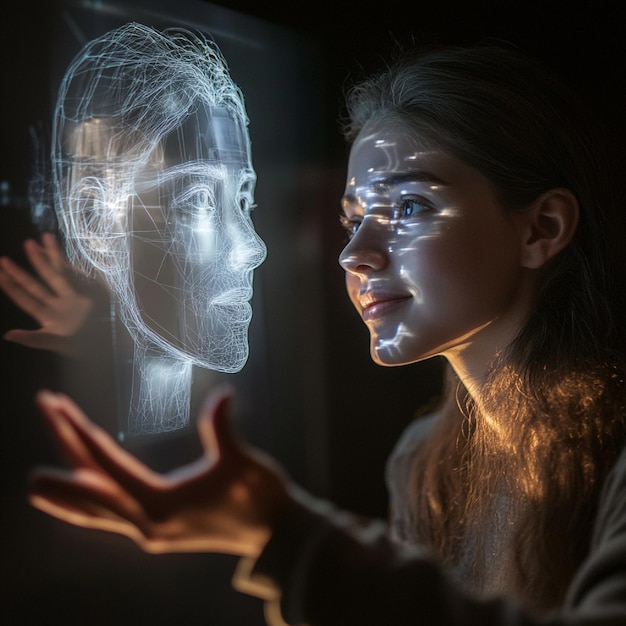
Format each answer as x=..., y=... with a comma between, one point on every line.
x=375, y=305
x=232, y=296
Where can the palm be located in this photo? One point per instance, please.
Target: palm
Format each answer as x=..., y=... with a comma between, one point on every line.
x=50, y=299
x=226, y=501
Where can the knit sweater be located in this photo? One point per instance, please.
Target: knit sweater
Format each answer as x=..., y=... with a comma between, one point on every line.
x=325, y=567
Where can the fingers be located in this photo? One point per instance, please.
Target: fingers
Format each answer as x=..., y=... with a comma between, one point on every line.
x=214, y=425
x=48, y=261
x=55, y=253
x=86, y=498
x=75, y=453
x=25, y=291
x=85, y=444
x=29, y=293
x=38, y=339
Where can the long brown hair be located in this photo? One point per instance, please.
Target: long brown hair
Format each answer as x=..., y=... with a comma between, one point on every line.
x=557, y=393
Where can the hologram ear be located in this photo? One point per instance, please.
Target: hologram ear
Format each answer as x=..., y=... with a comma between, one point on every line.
x=96, y=224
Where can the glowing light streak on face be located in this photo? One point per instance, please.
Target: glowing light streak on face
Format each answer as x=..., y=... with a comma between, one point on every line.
x=433, y=258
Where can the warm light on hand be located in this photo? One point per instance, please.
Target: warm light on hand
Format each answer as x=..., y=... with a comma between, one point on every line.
x=227, y=501
x=50, y=299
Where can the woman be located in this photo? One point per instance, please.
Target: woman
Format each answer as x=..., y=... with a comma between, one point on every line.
x=483, y=228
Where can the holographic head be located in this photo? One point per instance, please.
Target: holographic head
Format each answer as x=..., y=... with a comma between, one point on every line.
x=154, y=186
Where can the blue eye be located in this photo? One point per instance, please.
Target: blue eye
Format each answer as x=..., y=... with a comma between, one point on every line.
x=411, y=206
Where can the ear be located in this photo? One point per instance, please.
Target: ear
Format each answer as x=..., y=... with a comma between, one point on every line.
x=548, y=226
x=95, y=228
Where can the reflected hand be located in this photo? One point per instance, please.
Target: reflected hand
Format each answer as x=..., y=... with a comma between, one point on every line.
x=52, y=301
x=227, y=501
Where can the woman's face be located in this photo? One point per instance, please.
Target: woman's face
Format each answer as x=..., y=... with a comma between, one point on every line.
x=433, y=264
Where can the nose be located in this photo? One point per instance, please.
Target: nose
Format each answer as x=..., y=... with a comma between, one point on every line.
x=247, y=249
x=364, y=252
x=260, y=250
x=249, y=253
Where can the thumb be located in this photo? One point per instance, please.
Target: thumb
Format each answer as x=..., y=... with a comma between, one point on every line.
x=214, y=425
x=33, y=339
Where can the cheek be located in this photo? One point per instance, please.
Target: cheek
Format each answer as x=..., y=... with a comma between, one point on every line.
x=461, y=262
x=477, y=273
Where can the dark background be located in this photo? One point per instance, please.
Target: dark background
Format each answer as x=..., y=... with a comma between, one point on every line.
x=330, y=416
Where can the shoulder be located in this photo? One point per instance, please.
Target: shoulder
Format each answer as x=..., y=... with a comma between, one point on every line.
x=611, y=518
x=399, y=472
x=601, y=580
x=413, y=436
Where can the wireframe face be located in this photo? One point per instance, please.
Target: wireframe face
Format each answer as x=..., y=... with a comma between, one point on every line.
x=192, y=244
x=433, y=265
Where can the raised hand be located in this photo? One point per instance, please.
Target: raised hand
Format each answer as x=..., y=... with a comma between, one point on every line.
x=51, y=300
x=227, y=501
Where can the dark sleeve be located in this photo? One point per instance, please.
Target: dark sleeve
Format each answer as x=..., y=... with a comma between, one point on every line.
x=600, y=584
x=326, y=568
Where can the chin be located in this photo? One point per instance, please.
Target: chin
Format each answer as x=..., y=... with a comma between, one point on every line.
x=225, y=363
x=387, y=358
x=389, y=354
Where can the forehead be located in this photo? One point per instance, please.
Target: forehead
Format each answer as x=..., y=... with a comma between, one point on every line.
x=388, y=150
x=383, y=159
x=215, y=134
x=382, y=155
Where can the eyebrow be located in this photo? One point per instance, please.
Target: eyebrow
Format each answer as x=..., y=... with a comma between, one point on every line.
x=397, y=178
x=193, y=168
x=412, y=176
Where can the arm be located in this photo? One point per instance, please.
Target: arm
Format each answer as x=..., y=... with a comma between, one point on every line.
x=225, y=502
x=340, y=571
x=50, y=299
x=312, y=563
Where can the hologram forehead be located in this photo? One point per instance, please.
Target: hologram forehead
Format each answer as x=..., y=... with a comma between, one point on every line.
x=209, y=133
x=134, y=86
